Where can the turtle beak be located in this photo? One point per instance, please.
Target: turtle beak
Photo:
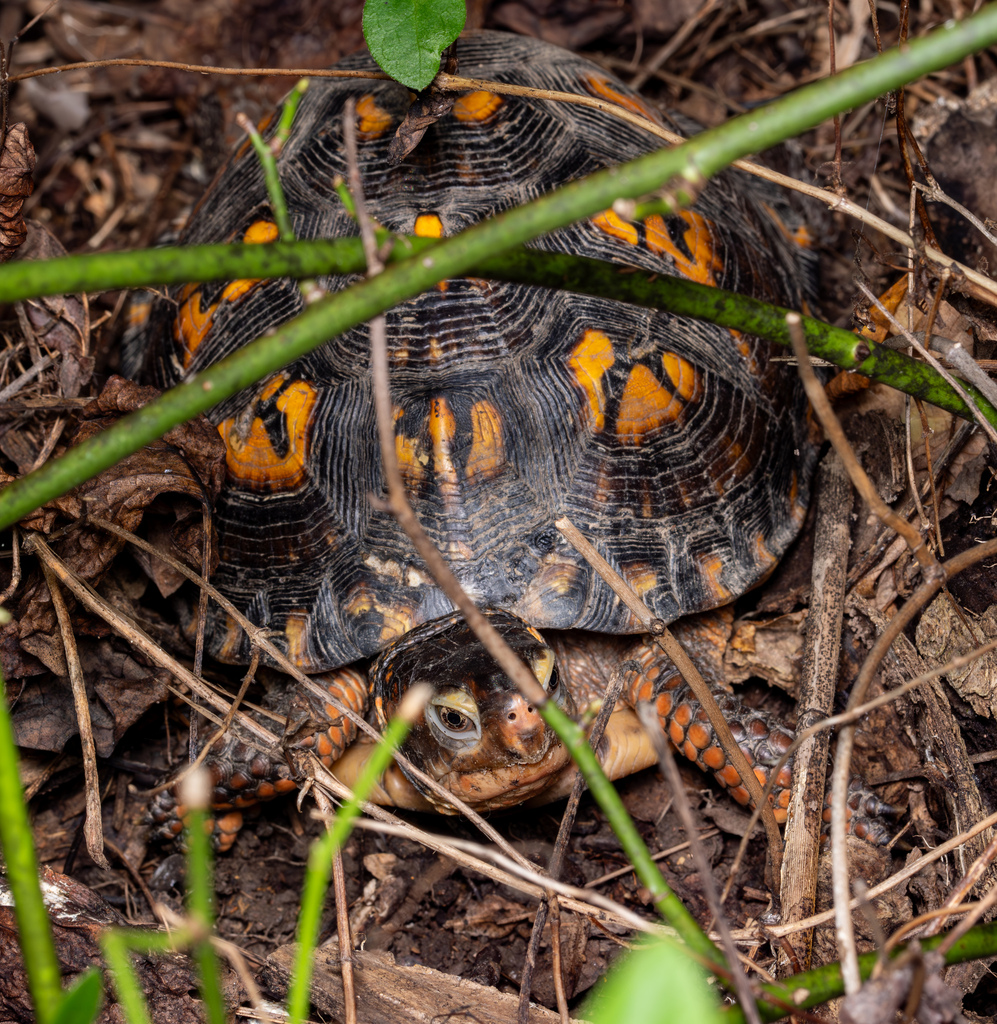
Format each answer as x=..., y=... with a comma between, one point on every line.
x=521, y=731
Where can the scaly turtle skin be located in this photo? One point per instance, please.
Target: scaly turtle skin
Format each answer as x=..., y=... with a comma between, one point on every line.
x=681, y=449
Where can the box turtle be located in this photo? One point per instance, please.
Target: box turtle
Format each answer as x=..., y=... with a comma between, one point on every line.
x=681, y=449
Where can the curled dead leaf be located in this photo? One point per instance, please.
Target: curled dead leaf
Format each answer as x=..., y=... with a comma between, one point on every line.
x=17, y=161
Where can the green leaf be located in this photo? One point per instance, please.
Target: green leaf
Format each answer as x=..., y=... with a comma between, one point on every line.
x=406, y=37
x=658, y=983
x=79, y=1005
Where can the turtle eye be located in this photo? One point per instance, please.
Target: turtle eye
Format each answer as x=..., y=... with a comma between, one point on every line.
x=453, y=717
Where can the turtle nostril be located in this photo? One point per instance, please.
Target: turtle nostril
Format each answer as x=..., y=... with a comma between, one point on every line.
x=512, y=716
x=529, y=709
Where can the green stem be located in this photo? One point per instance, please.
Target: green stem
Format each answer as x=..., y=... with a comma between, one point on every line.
x=287, y=115
x=118, y=945
x=200, y=906
x=320, y=865
x=604, y=792
x=34, y=930
x=811, y=988
x=271, y=178
x=682, y=170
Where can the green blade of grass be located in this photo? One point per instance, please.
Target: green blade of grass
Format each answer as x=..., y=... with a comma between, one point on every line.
x=34, y=930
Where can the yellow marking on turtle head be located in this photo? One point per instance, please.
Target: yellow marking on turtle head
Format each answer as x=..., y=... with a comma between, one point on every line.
x=704, y=264
x=487, y=457
x=476, y=106
x=589, y=360
x=250, y=455
x=609, y=223
x=645, y=405
x=372, y=120
x=683, y=375
x=711, y=567
x=542, y=663
x=428, y=225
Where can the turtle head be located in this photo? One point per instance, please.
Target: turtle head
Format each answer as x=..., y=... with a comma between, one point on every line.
x=477, y=736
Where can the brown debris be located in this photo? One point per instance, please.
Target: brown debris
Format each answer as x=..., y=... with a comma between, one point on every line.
x=388, y=992
x=78, y=917
x=17, y=162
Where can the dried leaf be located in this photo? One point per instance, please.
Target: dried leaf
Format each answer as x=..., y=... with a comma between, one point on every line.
x=60, y=322
x=17, y=161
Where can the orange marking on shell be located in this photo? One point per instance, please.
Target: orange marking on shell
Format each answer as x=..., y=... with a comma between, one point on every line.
x=192, y=323
x=412, y=456
x=714, y=758
x=372, y=121
x=642, y=579
x=685, y=378
x=611, y=224
x=260, y=232
x=704, y=264
x=646, y=405
x=601, y=86
x=476, y=106
x=712, y=567
x=443, y=431
x=296, y=631
x=428, y=225
x=762, y=554
x=699, y=735
x=487, y=457
x=251, y=457
x=589, y=360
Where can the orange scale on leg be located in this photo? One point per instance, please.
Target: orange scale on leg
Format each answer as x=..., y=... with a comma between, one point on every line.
x=780, y=815
x=683, y=715
x=741, y=795
x=642, y=690
x=677, y=734
x=265, y=791
x=323, y=745
x=664, y=705
x=758, y=728
x=761, y=775
x=699, y=735
x=285, y=785
x=690, y=750
x=782, y=800
x=731, y=776
x=714, y=758
x=785, y=779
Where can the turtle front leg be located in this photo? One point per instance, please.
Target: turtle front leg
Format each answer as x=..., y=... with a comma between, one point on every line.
x=762, y=738
x=242, y=775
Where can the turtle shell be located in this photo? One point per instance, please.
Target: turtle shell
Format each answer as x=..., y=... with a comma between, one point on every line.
x=679, y=448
